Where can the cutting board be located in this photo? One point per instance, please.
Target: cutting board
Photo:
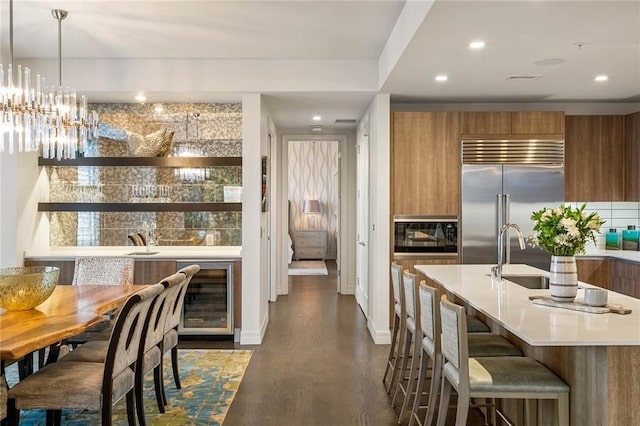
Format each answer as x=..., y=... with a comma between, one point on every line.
x=580, y=306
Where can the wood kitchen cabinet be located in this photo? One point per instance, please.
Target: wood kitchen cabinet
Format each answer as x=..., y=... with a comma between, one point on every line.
x=594, y=158
x=632, y=156
x=595, y=271
x=625, y=278
x=513, y=123
x=425, y=163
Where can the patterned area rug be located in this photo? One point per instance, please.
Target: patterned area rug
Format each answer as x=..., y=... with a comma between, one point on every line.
x=210, y=380
x=308, y=267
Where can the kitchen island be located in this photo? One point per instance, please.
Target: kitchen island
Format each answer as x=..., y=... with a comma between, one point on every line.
x=598, y=355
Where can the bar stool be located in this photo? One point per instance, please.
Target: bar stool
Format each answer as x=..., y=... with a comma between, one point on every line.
x=480, y=345
x=411, y=344
x=494, y=377
x=399, y=331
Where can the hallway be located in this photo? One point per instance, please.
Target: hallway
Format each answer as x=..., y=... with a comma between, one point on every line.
x=317, y=364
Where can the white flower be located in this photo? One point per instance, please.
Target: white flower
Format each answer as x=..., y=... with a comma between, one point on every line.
x=594, y=223
x=561, y=240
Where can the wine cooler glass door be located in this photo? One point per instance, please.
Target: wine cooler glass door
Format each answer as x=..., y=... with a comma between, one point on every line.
x=208, y=303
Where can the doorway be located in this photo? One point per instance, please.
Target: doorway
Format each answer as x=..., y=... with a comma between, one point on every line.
x=324, y=156
x=314, y=199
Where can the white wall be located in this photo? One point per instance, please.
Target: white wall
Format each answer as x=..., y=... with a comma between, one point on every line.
x=379, y=218
x=255, y=313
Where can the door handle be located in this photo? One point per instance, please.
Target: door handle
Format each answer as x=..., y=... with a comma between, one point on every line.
x=361, y=243
x=507, y=209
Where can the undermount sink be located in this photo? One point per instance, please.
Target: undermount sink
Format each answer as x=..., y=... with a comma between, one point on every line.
x=529, y=281
x=142, y=253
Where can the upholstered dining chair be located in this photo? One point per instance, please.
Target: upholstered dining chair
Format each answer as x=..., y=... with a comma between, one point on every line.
x=3, y=398
x=480, y=345
x=399, y=332
x=150, y=351
x=504, y=377
x=90, y=385
x=100, y=270
x=103, y=270
x=170, y=340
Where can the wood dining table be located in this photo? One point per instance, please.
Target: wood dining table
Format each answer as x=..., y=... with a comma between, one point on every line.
x=69, y=311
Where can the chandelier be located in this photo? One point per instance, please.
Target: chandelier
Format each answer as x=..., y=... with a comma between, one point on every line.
x=42, y=117
x=72, y=125
x=23, y=117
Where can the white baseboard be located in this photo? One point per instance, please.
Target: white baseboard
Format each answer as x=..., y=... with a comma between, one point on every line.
x=254, y=337
x=380, y=337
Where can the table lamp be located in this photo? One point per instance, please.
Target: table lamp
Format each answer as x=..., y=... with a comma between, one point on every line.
x=311, y=208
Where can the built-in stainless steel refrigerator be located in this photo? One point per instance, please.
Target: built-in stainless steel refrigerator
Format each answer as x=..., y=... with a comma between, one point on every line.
x=504, y=181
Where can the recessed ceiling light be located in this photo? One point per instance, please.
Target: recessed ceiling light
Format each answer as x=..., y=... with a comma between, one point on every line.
x=441, y=77
x=478, y=44
x=317, y=117
x=601, y=77
x=140, y=97
x=316, y=128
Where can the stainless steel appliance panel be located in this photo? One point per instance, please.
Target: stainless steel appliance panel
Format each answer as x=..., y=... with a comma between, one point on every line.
x=530, y=188
x=419, y=236
x=481, y=185
x=493, y=195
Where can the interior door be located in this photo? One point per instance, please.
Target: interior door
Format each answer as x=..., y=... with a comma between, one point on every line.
x=362, y=207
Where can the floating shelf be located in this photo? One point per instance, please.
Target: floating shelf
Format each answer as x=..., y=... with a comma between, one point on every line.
x=139, y=207
x=143, y=161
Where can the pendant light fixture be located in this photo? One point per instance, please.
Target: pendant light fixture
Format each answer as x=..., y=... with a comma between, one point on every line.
x=72, y=125
x=22, y=113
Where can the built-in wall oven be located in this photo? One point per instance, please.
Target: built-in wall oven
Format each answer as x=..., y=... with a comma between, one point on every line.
x=208, y=304
x=425, y=236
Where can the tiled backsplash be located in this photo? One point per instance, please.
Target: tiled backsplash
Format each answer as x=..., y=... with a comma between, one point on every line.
x=616, y=214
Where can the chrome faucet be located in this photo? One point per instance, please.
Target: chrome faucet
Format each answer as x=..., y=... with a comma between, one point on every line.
x=148, y=233
x=496, y=271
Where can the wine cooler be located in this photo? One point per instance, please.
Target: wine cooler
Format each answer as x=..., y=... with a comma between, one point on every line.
x=208, y=304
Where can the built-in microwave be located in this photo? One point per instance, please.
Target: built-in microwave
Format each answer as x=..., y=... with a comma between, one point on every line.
x=425, y=236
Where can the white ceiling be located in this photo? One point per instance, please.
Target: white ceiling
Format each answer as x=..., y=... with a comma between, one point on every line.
x=325, y=56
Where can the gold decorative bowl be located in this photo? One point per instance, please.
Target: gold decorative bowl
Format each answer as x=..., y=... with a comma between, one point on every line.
x=25, y=288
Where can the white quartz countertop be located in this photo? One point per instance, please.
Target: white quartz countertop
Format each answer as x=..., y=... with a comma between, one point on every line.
x=162, y=252
x=626, y=255
x=508, y=304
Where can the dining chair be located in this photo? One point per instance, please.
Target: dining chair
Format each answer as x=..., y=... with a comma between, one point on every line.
x=505, y=377
x=103, y=270
x=399, y=332
x=100, y=270
x=480, y=344
x=3, y=397
x=170, y=339
x=150, y=351
x=90, y=385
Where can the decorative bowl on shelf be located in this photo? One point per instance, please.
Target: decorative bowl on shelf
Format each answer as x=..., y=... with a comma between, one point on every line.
x=24, y=288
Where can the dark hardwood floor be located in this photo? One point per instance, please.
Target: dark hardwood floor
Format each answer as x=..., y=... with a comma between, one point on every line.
x=317, y=364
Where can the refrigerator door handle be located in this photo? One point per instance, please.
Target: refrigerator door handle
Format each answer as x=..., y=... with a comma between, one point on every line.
x=500, y=222
x=507, y=209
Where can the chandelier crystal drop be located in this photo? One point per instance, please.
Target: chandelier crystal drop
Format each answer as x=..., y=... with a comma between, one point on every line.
x=23, y=119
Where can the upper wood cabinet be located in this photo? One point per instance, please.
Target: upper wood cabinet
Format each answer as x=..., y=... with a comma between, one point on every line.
x=632, y=171
x=486, y=123
x=425, y=163
x=513, y=123
x=594, y=158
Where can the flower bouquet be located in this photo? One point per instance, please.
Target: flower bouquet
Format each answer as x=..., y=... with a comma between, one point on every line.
x=564, y=232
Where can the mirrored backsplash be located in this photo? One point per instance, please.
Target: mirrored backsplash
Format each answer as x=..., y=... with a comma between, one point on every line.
x=199, y=130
